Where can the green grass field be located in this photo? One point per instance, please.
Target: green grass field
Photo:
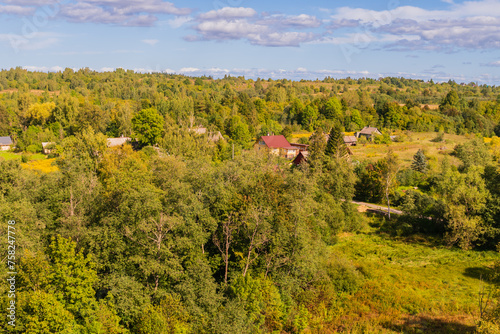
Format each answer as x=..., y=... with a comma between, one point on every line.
x=412, y=285
x=17, y=156
x=407, y=149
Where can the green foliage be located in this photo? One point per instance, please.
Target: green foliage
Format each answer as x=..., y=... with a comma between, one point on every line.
x=184, y=238
x=335, y=147
x=262, y=302
x=384, y=138
x=419, y=163
x=71, y=277
x=44, y=313
x=472, y=153
x=148, y=126
x=169, y=316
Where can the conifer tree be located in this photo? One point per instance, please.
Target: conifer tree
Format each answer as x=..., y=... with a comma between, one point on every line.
x=419, y=163
x=335, y=146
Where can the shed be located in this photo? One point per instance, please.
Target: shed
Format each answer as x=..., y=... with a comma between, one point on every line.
x=6, y=143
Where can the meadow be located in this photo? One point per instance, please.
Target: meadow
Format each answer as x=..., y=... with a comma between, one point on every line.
x=411, y=285
x=412, y=142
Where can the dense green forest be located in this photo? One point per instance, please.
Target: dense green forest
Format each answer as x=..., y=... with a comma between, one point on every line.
x=174, y=234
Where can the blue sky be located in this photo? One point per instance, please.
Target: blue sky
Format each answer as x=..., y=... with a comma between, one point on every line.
x=442, y=40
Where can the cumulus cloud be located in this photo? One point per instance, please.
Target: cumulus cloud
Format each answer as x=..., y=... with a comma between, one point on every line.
x=179, y=21
x=468, y=25
x=246, y=24
x=295, y=21
x=16, y=10
x=44, y=68
x=119, y=12
x=495, y=63
x=228, y=13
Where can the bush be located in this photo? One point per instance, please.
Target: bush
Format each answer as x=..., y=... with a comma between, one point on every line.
x=24, y=158
x=439, y=138
x=34, y=148
x=385, y=138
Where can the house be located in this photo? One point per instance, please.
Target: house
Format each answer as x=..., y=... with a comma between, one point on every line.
x=112, y=142
x=368, y=132
x=301, y=158
x=301, y=147
x=350, y=140
x=5, y=143
x=212, y=135
x=48, y=147
x=277, y=145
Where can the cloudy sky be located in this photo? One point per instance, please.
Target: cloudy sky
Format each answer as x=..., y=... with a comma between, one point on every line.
x=255, y=38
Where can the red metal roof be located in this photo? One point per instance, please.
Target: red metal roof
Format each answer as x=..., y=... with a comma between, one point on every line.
x=276, y=141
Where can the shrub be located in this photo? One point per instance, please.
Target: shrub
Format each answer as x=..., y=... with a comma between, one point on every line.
x=33, y=148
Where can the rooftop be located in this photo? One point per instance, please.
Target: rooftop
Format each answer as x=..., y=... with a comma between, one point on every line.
x=6, y=141
x=277, y=142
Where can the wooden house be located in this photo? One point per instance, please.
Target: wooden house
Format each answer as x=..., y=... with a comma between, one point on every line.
x=368, y=132
x=301, y=158
x=6, y=143
x=277, y=145
x=48, y=147
x=350, y=140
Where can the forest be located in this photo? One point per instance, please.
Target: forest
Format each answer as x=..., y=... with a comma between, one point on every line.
x=177, y=233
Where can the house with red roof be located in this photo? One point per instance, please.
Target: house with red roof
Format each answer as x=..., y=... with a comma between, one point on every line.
x=277, y=145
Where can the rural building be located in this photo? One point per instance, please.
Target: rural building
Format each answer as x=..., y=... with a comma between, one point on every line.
x=301, y=147
x=301, y=158
x=112, y=142
x=368, y=132
x=48, y=147
x=277, y=145
x=6, y=143
x=212, y=135
x=350, y=140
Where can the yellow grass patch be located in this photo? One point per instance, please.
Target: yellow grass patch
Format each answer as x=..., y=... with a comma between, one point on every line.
x=44, y=166
x=302, y=135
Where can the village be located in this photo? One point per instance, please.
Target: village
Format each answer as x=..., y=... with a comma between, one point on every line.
x=276, y=145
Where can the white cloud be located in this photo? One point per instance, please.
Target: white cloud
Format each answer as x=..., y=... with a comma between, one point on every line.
x=495, y=63
x=295, y=21
x=228, y=13
x=179, y=21
x=43, y=68
x=16, y=10
x=469, y=25
x=151, y=42
x=245, y=24
x=119, y=12
x=141, y=6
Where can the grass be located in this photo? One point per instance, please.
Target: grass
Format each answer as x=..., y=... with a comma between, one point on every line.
x=412, y=285
x=36, y=162
x=17, y=156
x=406, y=150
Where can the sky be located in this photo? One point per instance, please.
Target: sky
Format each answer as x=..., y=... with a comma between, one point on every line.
x=439, y=40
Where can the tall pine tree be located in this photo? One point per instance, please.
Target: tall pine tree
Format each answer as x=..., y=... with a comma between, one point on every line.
x=419, y=163
x=335, y=147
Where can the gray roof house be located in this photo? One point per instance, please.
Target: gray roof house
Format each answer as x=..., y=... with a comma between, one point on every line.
x=350, y=140
x=112, y=142
x=5, y=143
x=368, y=132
